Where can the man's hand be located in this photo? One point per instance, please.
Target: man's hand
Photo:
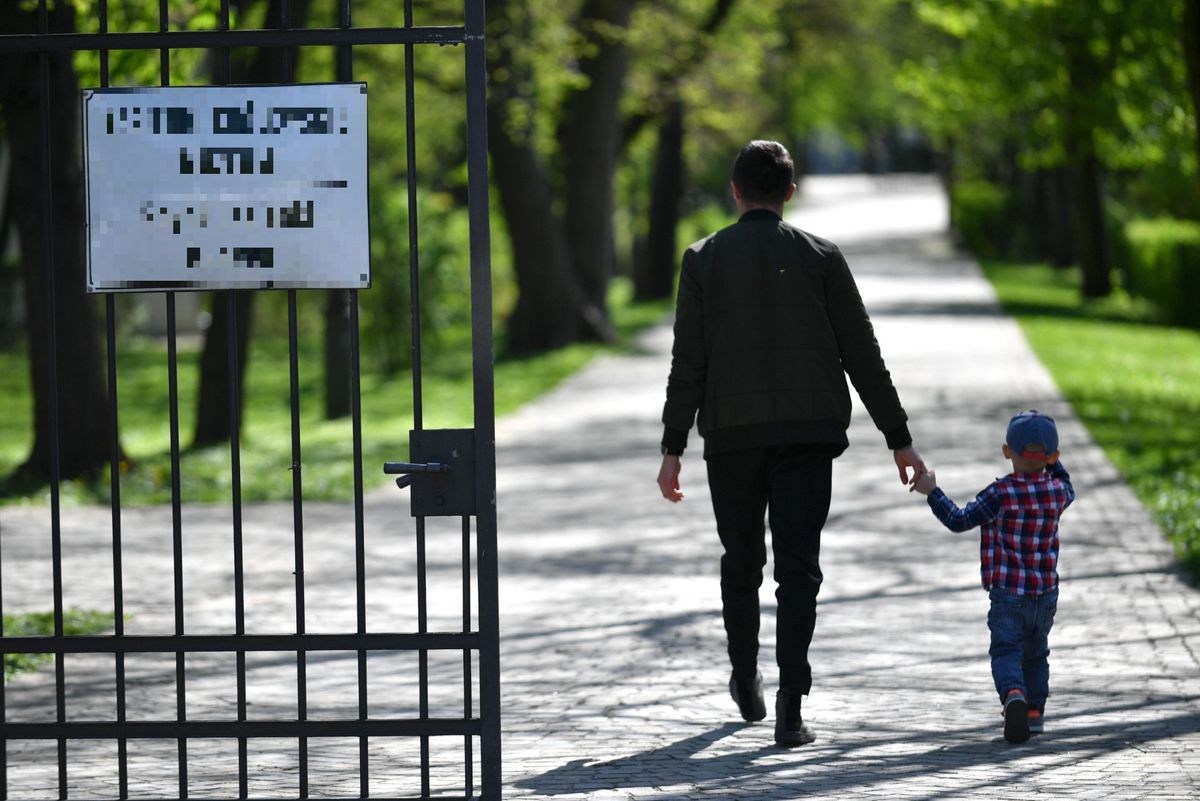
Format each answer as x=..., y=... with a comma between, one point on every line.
x=906, y=458
x=668, y=478
x=925, y=483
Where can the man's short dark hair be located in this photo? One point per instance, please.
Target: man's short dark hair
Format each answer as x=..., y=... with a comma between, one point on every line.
x=763, y=172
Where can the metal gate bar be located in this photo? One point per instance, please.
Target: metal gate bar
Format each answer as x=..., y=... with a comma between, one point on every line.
x=203, y=40
x=484, y=396
x=414, y=277
x=485, y=640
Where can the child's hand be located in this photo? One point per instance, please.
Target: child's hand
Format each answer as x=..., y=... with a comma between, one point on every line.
x=926, y=483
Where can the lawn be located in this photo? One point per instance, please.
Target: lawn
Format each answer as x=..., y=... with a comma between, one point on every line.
x=265, y=455
x=76, y=622
x=1134, y=382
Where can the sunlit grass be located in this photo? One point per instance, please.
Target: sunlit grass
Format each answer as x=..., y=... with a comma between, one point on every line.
x=1133, y=382
x=76, y=622
x=327, y=463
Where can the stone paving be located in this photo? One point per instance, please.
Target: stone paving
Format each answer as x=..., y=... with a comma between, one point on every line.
x=614, y=664
x=613, y=658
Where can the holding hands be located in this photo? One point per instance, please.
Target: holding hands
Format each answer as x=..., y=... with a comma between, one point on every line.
x=925, y=483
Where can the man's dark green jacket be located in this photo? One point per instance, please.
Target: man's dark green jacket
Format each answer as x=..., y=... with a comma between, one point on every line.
x=768, y=324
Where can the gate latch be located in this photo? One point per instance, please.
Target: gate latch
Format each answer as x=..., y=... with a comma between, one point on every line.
x=441, y=473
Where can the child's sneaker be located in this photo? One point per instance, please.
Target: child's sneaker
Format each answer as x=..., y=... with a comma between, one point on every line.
x=1037, y=721
x=1016, y=717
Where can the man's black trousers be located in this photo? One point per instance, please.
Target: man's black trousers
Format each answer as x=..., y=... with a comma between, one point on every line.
x=793, y=482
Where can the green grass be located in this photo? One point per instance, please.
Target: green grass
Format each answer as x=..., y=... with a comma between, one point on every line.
x=1133, y=382
x=76, y=622
x=265, y=454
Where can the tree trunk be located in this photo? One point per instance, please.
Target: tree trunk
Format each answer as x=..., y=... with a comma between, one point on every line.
x=82, y=401
x=213, y=423
x=551, y=310
x=1058, y=236
x=654, y=271
x=590, y=136
x=545, y=316
x=1190, y=31
x=1088, y=222
x=1083, y=168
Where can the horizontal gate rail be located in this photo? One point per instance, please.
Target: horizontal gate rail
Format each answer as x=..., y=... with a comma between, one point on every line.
x=438, y=797
x=298, y=37
x=191, y=643
x=166, y=729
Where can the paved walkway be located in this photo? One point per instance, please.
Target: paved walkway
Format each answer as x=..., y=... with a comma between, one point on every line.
x=613, y=652
x=614, y=664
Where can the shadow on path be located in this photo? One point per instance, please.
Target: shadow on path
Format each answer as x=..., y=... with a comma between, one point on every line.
x=847, y=764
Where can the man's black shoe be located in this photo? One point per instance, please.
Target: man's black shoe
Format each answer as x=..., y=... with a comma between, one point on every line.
x=748, y=695
x=790, y=730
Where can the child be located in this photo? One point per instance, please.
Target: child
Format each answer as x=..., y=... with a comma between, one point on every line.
x=1018, y=516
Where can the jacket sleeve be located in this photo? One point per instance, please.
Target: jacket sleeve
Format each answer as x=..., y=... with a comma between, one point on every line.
x=860, y=354
x=984, y=508
x=689, y=361
x=1058, y=471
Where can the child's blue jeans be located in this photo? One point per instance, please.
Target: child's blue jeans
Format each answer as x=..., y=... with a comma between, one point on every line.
x=1020, y=626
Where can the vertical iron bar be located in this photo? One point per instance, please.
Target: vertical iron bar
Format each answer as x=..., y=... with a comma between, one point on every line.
x=235, y=467
x=468, y=689
x=164, y=54
x=345, y=72
x=164, y=64
x=110, y=307
x=414, y=276
x=115, y=491
x=289, y=75
x=60, y=707
x=103, y=13
x=423, y=655
x=177, y=534
x=223, y=76
x=359, y=536
x=484, y=392
x=298, y=529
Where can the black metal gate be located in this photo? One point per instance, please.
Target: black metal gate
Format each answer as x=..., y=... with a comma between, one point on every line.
x=452, y=474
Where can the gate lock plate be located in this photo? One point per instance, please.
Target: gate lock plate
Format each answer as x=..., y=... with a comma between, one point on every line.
x=441, y=474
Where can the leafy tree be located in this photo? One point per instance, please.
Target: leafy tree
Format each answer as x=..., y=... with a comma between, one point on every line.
x=1190, y=32
x=1082, y=85
x=561, y=257
x=82, y=435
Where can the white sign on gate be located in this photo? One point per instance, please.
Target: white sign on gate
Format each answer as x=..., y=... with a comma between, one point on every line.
x=226, y=187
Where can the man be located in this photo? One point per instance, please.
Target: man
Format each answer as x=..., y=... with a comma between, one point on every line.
x=768, y=323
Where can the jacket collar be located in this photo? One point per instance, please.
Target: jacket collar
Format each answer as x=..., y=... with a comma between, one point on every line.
x=759, y=214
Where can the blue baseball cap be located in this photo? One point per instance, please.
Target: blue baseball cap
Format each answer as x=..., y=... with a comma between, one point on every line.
x=1032, y=428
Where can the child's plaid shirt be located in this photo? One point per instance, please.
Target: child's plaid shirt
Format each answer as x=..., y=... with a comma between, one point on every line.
x=1018, y=516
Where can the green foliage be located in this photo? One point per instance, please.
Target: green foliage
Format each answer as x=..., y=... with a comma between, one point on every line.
x=1164, y=266
x=1134, y=383
x=1053, y=80
x=983, y=215
x=76, y=622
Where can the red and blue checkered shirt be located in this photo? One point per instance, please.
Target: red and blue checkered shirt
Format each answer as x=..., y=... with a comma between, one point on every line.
x=1018, y=516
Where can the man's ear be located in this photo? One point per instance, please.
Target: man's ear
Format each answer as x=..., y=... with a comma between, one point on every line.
x=1007, y=451
x=1052, y=458
x=791, y=191
x=733, y=188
